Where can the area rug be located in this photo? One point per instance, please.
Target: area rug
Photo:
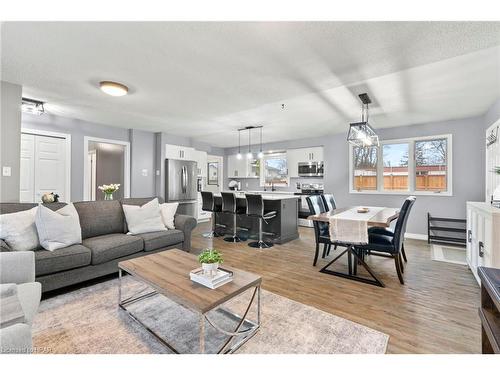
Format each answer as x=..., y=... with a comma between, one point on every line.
x=88, y=320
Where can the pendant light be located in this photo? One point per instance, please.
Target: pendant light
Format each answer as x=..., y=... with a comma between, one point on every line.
x=238, y=156
x=249, y=154
x=361, y=134
x=260, y=155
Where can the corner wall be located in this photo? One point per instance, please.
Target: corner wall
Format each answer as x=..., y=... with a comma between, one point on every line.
x=10, y=140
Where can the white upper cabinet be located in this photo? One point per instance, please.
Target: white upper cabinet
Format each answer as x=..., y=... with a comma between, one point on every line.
x=179, y=152
x=200, y=157
x=237, y=168
x=300, y=155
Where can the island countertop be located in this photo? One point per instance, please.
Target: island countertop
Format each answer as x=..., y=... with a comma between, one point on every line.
x=267, y=196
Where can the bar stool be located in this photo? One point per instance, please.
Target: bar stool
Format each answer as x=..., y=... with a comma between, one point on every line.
x=229, y=206
x=208, y=204
x=255, y=208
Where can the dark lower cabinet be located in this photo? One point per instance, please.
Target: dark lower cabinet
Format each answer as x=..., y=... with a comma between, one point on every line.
x=489, y=312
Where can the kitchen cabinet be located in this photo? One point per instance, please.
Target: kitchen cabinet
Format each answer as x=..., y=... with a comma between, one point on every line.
x=179, y=152
x=237, y=168
x=298, y=155
x=483, y=236
x=200, y=157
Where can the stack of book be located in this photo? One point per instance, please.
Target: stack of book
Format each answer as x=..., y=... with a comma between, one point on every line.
x=221, y=277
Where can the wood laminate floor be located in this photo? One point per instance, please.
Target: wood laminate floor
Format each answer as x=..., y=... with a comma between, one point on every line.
x=434, y=312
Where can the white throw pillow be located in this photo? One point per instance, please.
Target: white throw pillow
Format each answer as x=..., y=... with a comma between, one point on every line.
x=58, y=229
x=143, y=219
x=168, y=211
x=18, y=230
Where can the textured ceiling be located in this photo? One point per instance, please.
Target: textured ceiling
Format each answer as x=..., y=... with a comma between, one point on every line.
x=205, y=80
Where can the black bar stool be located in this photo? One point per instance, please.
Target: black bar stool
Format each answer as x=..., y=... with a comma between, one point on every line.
x=255, y=208
x=210, y=205
x=229, y=206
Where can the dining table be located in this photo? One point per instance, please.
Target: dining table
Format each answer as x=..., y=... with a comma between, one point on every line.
x=382, y=217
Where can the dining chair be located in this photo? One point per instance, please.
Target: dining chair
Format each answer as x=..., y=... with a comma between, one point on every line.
x=329, y=201
x=390, y=232
x=390, y=246
x=321, y=230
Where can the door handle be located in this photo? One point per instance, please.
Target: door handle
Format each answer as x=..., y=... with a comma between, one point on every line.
x=481, y=249
x=469, y=236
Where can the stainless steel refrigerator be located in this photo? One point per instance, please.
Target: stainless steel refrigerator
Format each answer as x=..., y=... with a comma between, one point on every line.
x=180, y=185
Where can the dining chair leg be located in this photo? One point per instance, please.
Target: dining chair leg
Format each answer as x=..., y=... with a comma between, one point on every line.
x=403, y=252
x=328, y=249
x=397, y=261
x=401, y=263
x=324, y=250
x=316, y=254
x=335, y=247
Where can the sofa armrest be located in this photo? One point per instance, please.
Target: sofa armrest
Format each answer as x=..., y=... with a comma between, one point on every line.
x=186, y=224
x=17, y=267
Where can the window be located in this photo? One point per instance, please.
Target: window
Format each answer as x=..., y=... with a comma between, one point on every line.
x=275, y=170
x=430, y=165
x=365, y=168
x=414, y=165
x=395, y=156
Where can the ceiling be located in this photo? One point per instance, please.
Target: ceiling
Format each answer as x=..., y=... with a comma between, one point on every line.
x=206, y=79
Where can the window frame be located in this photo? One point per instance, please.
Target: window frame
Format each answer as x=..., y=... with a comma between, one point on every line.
x=411, y=168
x=274, y=155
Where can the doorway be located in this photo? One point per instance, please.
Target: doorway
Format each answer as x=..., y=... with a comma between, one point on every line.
x=45, y=165
x=106, y=162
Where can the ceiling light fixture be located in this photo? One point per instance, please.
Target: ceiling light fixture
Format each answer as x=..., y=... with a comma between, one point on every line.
x=361, y=134
x=32, y=106
x=260, y=155
x=249, y=154
x=238, y=156
x=113, y=88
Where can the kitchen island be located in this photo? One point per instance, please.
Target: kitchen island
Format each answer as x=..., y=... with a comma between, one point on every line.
x=281, y=229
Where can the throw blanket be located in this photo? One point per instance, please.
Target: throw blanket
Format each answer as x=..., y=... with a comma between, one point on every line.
x=351, y=226
x=11, y=311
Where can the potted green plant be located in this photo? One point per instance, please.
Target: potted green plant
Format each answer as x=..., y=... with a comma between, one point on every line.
x=210, y=260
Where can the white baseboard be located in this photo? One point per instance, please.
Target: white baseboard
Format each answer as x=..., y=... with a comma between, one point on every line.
x=416, y=236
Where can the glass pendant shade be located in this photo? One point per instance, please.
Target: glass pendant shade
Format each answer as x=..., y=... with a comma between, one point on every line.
x=361, y=134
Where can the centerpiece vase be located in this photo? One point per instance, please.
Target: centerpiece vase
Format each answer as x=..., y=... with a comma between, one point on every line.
x=108, y=196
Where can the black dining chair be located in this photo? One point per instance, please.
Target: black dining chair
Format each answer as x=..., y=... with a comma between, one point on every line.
x=229, y=206
x=321, y=229
x=389, y=232
x=209, y=204
x=255, y=208
x=390, y=246
x=329, y=202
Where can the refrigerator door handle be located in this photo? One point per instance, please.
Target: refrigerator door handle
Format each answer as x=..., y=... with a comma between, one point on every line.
x=184, y=182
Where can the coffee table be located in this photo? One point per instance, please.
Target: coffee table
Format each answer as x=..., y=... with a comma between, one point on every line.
x=167, y=273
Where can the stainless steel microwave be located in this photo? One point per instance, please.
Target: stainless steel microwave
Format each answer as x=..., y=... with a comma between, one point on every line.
x=311, y=169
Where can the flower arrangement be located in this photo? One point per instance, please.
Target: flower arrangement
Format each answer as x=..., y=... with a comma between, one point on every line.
x=108, y=190
x=496, y=170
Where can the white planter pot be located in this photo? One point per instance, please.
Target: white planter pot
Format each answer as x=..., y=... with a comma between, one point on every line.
x=210, y=269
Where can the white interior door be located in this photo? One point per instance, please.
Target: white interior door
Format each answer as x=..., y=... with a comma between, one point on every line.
x=27, y=183
x=43, y=167
x=50, y=167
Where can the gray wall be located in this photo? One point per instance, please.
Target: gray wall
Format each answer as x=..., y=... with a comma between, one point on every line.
x=10, y=140
x=492, y=115
x=143, y=150
x=468, y=169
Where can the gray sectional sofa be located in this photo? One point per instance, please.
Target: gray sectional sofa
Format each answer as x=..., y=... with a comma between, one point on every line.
x=104, y=242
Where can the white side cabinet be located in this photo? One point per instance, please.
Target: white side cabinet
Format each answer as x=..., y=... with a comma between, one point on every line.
x=483, y=236
x=179, y=152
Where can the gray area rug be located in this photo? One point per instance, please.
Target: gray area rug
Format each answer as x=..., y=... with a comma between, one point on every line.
x=88, y=320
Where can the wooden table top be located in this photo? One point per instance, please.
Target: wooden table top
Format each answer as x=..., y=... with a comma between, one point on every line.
x=382, y=218
x=168, y=273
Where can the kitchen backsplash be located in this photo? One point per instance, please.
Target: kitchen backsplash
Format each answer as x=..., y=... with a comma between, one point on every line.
x=254, y=184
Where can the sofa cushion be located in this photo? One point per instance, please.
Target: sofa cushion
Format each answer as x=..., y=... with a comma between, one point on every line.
x=157, y=240
x=100, y=217
x=29, y=295
x=112, y=246
x=73, y=256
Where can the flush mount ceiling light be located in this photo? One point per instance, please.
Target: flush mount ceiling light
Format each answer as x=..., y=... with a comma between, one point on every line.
x=361, y=134
x=113, y=88
x=32, y=106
